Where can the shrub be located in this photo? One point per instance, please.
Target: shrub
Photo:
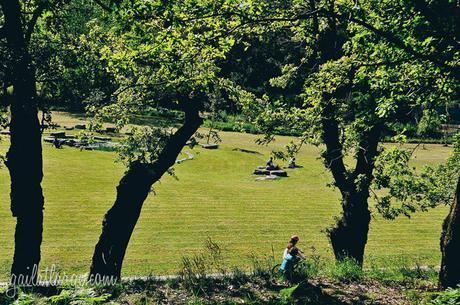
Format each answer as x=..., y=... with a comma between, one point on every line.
x=418, y=273
x=193, y=273
x=194, y=270
x=261, y=266
x=447, y=297
x=78, y=296
x=346, y=270
x=286, y=294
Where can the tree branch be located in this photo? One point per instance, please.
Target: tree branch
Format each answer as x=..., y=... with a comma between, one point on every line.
x=333, y=156
x=367, y=152
x=33, y=21
x=176, y=143
x=392, y=38
x=387, y=35
x=104, y=6
x=434, y=19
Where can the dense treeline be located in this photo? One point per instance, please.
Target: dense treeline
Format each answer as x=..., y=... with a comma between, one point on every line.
x=344, y=75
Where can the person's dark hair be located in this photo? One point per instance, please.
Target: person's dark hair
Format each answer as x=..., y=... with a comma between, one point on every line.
x=294, y=251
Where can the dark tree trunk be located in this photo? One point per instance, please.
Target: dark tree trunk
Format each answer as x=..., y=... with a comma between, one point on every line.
x=449, y=275
x=24, y=158
x=120, y=220
x=134, y=187
x=349, y=236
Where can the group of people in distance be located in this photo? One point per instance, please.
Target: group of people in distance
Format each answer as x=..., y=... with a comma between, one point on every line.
x=291, y=256
x=270, y=165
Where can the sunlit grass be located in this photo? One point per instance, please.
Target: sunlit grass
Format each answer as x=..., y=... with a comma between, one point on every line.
x=215, y=196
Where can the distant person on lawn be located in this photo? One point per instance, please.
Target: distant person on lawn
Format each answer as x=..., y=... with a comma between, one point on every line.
x=57, y=144
x=292, y=163
x=270, y=165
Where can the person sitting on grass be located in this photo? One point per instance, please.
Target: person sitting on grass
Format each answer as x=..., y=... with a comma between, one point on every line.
x=57, y=143
x=293, y=244
x=270, y=165
x=292, y=163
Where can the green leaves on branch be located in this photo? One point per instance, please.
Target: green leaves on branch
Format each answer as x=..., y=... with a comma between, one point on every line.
x=143, y=145
x=403, y=189
x=163, y=56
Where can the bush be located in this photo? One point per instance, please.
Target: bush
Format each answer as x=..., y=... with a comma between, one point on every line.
x=195, y=269
x=261, y=266
x=418, y=273
x=346, y=270
x=401, y=269
x=78, y=296
x=448, y=297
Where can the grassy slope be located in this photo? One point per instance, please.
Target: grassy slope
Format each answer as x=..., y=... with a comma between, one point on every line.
x=216, y=197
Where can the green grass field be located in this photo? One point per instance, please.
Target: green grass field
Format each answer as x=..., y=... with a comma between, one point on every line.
x=216, y=196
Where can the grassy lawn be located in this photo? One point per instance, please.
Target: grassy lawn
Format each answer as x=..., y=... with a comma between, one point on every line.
x=215, y=196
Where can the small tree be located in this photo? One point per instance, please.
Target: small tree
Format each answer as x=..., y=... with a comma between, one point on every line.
x=163, y=56
x=364, y=80
x=409, y=191
x=24, y=157
x=22, y=49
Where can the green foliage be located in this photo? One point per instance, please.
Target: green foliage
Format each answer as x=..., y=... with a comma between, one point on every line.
x=414, y=190
x=261, y=266
x=406, y=273
x=70, y=72
x=286, y=294
x=232, y=126
x=78, y=296
x=195, y=270
x=370, y=79
x=143, y=145
x=450, y=296
x=417, y=273
x=26, y=299
x=346, y=270
x=161, y=56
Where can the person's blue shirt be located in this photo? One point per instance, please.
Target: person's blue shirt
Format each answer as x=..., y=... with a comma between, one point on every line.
x=288, y=262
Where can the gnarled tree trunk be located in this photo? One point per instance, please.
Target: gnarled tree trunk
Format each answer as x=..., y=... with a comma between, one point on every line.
x=134, y=187
x=349, y=236
x=449, y=275
x=24, y=157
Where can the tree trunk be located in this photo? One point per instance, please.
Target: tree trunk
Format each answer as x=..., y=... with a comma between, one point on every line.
x=449, y=275
x=24, y=157
x=349, y=236
x=134, y=187
x=119, y=222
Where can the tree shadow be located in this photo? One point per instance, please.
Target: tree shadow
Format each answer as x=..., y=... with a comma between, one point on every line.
x=308, y=294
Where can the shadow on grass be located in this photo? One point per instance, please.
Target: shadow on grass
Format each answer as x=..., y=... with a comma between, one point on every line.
x=226, y=291
x=166, y=119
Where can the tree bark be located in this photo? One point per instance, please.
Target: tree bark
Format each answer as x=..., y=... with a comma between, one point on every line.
x=24, y=157
x=349, y=236
x=449, y=275
x=133, y=189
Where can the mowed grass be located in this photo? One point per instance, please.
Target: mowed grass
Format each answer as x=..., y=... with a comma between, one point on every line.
x=214, y=197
